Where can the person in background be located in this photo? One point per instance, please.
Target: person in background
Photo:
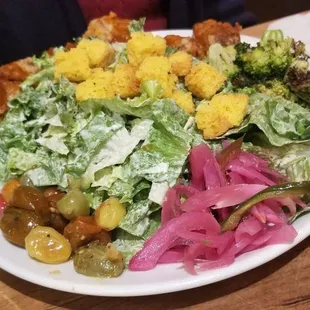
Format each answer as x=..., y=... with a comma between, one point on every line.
x=29, y=27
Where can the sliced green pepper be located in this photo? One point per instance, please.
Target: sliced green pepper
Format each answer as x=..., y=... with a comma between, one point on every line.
x=282, y=190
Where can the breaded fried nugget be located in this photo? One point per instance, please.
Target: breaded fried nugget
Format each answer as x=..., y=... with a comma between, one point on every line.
x=211, y=31
x=8, y=90
x=186, y=44
x=18, y=70
x=109, y=28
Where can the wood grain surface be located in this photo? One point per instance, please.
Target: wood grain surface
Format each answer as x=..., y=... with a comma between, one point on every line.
x=283, y=283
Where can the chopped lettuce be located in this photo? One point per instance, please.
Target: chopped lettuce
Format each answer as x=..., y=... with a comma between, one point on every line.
x=158, y=192
x=99, y=130
x=115, y=151
x=137, y=25
x=292, y=160
x=283, y=122
x=47, y=73
x=95, y=197
x=136, y=221
x=50, y=170
x=128, y=244
x=19, y=161
x=162, y=155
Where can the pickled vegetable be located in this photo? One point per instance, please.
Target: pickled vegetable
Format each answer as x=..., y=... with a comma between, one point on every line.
x=73, y=204
x=47, y=245
x=8, y=189
x=97, y=260
x=282, y=190
x=81, y=231
x=110, y=213
x=17, y=223
x=30, y=198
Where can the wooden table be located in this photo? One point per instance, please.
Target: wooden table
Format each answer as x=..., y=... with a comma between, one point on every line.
x=283, y=283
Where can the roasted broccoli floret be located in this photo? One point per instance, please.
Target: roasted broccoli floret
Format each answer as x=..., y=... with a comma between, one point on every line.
x=270, y=58
x=222, y=58
x=275, y=88
x=298, y=79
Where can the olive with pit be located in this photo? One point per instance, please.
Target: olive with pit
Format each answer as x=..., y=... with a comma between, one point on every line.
x=73, y=204
x=98, y=260
x=51, y=191
x=16, y=224
x=30, y=198
x=8, y=189
x=47, y=245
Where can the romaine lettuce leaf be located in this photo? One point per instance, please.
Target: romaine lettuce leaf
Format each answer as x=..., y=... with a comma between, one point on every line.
x=99, y=130
x=51, y=170
x=95, y=197
x=4, y=174
x=128, y=244
x=162, y=155
x=136, y=221
x=292, y=160
x=19, y=161
x=137, y=25
x=283, y=122
x=117, y=148
x=158, y=192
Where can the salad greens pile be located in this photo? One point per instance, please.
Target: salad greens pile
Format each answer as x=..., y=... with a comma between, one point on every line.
x=135, y=149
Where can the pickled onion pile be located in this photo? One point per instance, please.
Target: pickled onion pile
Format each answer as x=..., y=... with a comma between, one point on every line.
x=190, y=229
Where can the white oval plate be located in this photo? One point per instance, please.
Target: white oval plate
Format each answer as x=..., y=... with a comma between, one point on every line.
x=162, y=279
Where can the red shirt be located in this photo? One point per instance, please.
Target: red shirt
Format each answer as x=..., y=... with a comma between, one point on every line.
x=131, y=9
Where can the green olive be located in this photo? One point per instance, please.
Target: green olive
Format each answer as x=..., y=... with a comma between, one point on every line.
x=73, y=204
x=98, y=260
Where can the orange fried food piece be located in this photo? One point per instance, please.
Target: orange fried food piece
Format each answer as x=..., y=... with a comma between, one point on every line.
x=109, y=28
x=186, y=44
x=211, y=31
x=18, y=70
x=8, y=90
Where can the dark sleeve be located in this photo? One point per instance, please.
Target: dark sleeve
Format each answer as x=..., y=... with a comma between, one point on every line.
x=185, y=13
x=29, y=27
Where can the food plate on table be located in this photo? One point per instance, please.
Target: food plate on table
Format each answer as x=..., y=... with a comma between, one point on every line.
x=211, y=183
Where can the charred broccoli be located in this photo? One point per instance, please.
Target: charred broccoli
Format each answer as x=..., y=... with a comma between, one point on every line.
x=222, y=58
x=298, y=79
x=274, y=88
x=270, y=58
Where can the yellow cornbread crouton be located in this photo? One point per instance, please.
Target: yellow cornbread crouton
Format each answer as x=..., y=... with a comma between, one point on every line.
x=144, y=44
x=125, y=82
x=98, y=73
x=74, y=65
x=184, y=100
x=158, y=68
x=181, y=63
x=204, y=81
x=98, y=86
x=100, y=54
x=224, y=111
